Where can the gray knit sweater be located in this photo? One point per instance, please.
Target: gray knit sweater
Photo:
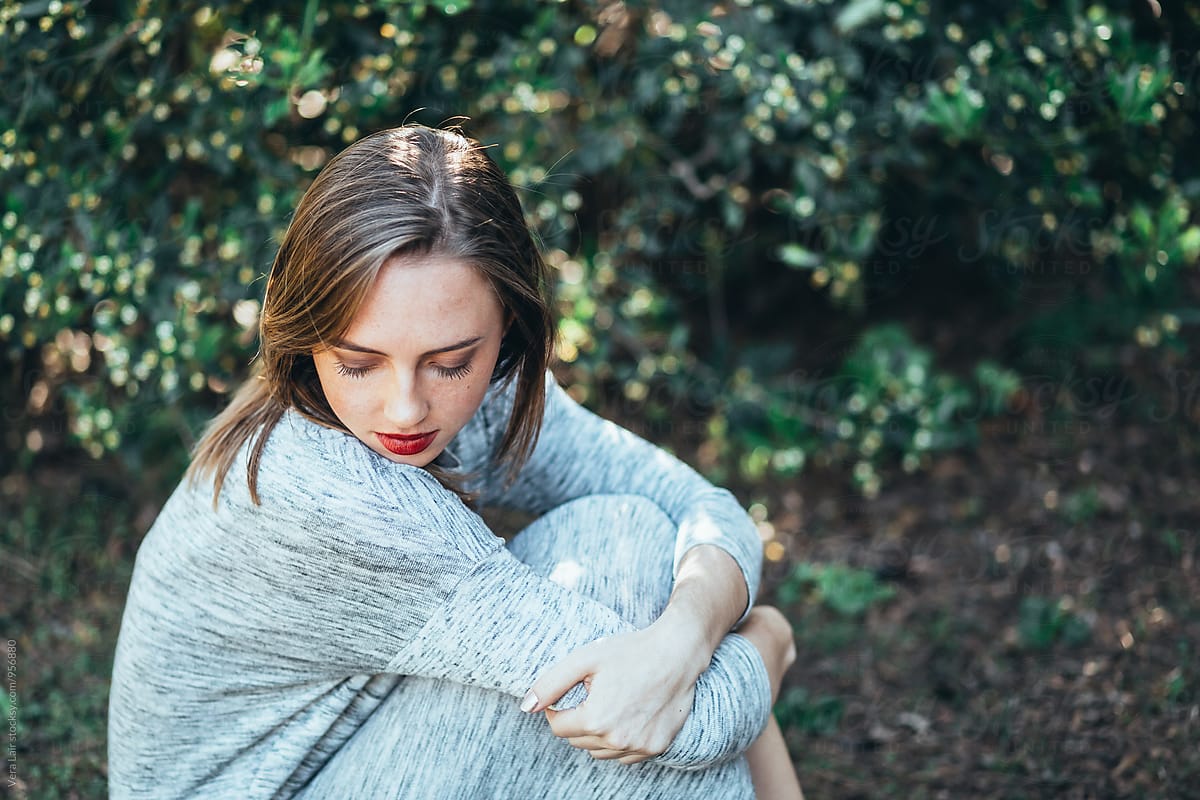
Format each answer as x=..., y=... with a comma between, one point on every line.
x=257, y=638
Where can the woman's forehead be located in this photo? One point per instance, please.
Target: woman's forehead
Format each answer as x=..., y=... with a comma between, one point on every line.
x=425, y=303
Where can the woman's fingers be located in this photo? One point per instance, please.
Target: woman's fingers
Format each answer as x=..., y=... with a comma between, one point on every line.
x=587, y=742
x=634, y=706
x=605, y=755
x=598, y=748
x=571, y=724
x=554, y=682
x=600, y=744
x=581, y=729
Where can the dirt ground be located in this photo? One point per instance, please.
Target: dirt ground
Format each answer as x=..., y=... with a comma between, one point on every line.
x=1042, y=637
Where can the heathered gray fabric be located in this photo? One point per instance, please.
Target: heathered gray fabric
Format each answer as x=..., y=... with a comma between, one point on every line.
x=476, y=743
x=258, y=640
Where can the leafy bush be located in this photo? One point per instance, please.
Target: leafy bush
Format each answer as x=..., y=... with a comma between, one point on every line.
x=886, y=397
x=697, y=175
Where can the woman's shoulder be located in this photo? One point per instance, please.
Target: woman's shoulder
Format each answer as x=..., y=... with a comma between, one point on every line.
x=306, y=463
x=321, y=491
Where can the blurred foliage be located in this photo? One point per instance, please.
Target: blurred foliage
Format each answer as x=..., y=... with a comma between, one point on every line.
x=796, y=710
x=695, y=171
x=1082, y=506
x=846, y=590
x=1043, y=622
x=886, y=397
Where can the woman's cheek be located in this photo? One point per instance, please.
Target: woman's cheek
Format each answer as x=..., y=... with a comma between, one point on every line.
x=344, y=402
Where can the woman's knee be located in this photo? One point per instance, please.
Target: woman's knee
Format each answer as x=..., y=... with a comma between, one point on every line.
x=617, y=549
x=595, y=526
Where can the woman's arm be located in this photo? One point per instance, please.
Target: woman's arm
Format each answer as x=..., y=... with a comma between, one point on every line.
x=717, y=563
x=504, y=626
x=608, y=730
x=653, y=671
x=580, y=454
x=708, y=596
x=361, y=566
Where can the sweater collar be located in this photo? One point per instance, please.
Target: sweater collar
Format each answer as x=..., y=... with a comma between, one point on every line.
x=300, y=423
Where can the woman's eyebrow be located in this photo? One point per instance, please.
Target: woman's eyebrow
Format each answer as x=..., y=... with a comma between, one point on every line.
x=358, y=348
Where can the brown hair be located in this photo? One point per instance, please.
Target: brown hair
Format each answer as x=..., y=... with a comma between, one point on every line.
x=410, y=190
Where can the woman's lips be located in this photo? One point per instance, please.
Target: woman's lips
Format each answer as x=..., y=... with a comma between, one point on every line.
x=406, y=445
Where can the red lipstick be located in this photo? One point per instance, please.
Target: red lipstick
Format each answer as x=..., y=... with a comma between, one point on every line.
x=406, y=445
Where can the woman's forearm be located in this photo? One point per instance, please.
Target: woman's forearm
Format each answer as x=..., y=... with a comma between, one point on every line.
x=734, y=696
x=580, y=454
x=708, y=598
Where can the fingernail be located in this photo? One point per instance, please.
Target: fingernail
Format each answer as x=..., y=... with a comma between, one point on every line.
x=529, y=702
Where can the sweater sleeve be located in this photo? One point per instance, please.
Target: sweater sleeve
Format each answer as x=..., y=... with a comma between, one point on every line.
x=392, y=573
x=503, y=624
x=580, y=453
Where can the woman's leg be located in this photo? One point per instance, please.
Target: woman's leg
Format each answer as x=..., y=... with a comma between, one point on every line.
x=771, y=766
x=616, y=549
x=770, y=763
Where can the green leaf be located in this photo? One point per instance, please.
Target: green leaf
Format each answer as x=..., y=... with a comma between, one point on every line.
x=795, y=255
x=275, y=110
x=857, y=13
x=819, y=716
x=1136, y=90
x=313, y=70
x=954, y=114
x=1189, y=243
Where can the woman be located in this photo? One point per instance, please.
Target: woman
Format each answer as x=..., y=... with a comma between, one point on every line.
x=319, y=612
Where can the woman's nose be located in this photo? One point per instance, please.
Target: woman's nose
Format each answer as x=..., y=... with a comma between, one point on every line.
x=406, y=407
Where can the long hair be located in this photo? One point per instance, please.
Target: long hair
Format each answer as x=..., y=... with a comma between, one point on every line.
x=407, y=191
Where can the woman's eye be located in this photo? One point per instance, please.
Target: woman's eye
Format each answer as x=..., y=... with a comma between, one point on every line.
x=454, y=372
x=352, y=372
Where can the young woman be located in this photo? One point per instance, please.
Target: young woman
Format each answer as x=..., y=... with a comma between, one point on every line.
x=319, y=612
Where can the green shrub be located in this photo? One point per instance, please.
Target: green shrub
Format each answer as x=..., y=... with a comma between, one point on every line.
x=886, y=398
x=697, y=175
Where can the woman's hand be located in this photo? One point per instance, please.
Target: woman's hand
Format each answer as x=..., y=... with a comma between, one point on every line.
x=640, y=690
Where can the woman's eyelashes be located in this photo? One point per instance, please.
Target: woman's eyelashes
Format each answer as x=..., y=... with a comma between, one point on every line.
x=352, y=372
x=459, y=371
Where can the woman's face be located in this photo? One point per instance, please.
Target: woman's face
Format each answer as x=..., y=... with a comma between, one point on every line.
x=415, y=364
